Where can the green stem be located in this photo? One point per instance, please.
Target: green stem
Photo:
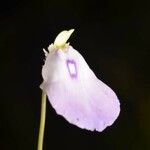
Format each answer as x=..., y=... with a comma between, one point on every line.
x=42, y=122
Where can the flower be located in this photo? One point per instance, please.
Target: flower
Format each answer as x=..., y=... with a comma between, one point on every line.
x=73, y=89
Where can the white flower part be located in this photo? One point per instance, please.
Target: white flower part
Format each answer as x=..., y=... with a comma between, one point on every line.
x=45, y=52
x=76, y=93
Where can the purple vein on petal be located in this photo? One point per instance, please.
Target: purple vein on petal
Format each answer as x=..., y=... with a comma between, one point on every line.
x=72, y=68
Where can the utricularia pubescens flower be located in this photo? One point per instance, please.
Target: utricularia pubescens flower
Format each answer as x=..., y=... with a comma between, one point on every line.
x=73, y=89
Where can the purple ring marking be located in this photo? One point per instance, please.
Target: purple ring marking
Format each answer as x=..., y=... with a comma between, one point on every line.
x=72, y=68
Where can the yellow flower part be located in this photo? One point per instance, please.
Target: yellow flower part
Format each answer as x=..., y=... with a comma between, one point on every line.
x=61, y=39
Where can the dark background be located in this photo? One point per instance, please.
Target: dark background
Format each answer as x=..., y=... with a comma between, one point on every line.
x=113, y=36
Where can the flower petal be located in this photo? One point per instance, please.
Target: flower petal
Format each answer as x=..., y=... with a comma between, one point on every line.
x=76, y=93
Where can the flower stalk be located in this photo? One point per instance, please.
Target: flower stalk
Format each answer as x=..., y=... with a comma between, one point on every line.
x=42, y=122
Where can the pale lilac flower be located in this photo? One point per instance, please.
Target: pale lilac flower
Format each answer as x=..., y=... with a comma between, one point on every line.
x=73, y=89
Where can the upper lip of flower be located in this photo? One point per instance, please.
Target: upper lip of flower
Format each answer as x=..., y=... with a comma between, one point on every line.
x=60, y=41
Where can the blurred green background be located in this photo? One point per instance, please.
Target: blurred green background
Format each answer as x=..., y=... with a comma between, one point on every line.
x=113, y=37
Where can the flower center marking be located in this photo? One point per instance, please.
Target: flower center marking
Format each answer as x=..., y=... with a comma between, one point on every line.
x=71, y=65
